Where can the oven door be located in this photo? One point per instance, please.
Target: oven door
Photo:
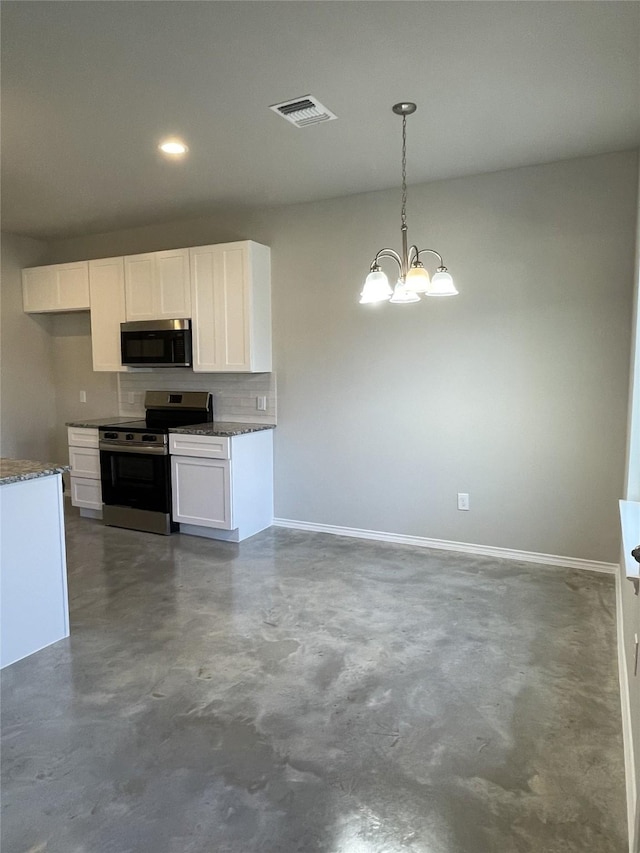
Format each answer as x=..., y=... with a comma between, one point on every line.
x=140, y=480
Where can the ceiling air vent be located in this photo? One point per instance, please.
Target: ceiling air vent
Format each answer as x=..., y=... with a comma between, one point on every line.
x=303, y=111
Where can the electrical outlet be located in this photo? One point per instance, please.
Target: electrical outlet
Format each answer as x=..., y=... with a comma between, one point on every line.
x=131, y=397
x=261, y=404
x=463, y=500
x=83, y=396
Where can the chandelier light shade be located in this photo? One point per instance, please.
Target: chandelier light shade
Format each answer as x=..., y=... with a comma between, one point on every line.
x=413, y=279
x=402, y=294
x=442, y=285
x=376, y=287
x=418, y=279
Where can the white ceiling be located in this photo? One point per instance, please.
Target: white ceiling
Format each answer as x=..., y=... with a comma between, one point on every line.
x=88, y=89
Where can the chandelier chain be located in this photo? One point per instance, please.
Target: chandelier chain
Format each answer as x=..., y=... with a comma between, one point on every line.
x=404, y=171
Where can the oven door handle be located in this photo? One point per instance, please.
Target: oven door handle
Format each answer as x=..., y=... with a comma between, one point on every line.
x=127, y=448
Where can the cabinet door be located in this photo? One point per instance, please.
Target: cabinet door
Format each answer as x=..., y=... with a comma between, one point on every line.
x=172, y=287
x=139, y=284
x=206, y=269
x=220, y=308
x=233, y=298
x=106, y=291
x=39, y=289
x=201, y=491
x=73, y=286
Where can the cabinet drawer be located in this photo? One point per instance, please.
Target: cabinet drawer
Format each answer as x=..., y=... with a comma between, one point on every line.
x=205, y=446
x=86, y=493
x=85, y=462
x=82, y=437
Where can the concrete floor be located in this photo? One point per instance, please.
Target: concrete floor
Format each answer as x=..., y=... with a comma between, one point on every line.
x=304, y=692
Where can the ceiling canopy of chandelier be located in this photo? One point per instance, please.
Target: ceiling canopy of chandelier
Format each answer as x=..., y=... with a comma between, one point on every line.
x=413, y=279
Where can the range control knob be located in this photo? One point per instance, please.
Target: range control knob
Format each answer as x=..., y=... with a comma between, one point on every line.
x=111, y=435
x=129, y=436
x=149, y=437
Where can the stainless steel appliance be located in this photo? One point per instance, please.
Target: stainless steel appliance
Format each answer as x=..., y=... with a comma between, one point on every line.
x=156, y=343
x=134, y=460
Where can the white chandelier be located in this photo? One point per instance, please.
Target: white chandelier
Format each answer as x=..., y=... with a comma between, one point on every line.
x=413, y=278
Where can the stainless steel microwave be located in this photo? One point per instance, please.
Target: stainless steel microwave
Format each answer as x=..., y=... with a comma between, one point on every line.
x=156, y=343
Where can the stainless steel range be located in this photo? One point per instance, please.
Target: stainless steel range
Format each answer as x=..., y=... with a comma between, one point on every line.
x=134, y=460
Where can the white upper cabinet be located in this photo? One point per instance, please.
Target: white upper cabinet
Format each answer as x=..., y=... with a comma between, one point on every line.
x=157, y=285
x=231, y=307
x=57, y=287
x=225, y=289
x=106, y=289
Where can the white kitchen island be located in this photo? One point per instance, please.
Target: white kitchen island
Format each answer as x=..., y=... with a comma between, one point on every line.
x=34, y=609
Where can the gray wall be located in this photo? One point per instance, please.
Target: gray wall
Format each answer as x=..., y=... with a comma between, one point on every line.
x=630, y=610
x=27, y=402
x=515, y=391
x=46, y=360
x=73, y=372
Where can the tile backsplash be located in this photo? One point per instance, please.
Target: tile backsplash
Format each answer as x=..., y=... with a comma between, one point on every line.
x=234, y=394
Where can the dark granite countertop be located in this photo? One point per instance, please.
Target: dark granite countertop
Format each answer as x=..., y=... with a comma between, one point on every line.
x=220, y=428
x=17, y=470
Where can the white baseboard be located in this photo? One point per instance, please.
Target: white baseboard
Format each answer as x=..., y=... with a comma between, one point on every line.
x=445, y=545
x=627, y=734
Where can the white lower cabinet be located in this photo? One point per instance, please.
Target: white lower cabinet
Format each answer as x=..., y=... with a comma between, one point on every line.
x=202, y=491
x=222, y=487
x=84, y=458
x=34, y=606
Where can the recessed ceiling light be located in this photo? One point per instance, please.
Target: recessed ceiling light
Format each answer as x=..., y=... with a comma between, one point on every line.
x=173, y=147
